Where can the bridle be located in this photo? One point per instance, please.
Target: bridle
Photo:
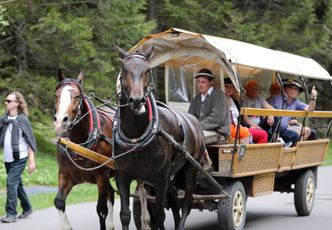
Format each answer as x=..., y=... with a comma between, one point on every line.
x=78, y=116
x=94, y=119
x=136, y=144
x=123, y=70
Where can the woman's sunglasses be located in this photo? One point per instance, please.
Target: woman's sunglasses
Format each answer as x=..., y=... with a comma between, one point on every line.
x=9, y=101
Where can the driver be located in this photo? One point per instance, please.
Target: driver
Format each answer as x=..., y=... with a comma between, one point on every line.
x=210, y=108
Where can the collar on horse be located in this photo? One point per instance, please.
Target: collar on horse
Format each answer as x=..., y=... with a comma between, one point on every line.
x=135, y=144
x=94, y=123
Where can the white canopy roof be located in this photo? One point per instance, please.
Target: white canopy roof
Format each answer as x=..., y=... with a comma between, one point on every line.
x=235, y=52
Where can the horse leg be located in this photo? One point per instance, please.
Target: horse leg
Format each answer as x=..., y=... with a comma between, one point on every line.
x=123, y=184
x=64, y=187
x=173, y=203
x=190, y=185
x=110, y=205
x=105, y=203
x=145, y=217
x=161, y=190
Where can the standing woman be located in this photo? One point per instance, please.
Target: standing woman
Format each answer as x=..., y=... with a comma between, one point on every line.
x=19, y=146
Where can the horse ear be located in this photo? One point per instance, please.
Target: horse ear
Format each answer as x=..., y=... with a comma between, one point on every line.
x=122, y=54
x=80, y=77
x=60, y=75
x=149, y=52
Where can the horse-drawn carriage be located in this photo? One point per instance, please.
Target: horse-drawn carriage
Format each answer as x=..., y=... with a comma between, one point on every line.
x=240, y=171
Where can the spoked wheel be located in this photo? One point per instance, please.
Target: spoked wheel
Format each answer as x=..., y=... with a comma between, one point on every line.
x=304, y=194
x=232, y=211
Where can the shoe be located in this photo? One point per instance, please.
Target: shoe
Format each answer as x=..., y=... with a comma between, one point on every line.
x=25, y=214
x=285, y=144
x=9, y=219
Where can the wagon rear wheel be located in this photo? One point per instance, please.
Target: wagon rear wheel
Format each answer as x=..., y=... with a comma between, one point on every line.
x=232, y=210
x=304, y=194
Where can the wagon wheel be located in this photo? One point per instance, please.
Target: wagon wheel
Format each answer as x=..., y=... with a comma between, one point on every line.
x=232, y=210
x=304, y=194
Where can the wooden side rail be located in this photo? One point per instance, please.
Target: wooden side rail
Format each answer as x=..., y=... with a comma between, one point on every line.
x=287, y=113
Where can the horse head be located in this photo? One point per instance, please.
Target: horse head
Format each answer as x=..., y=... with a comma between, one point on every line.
x=134, y=78
x=68, y=102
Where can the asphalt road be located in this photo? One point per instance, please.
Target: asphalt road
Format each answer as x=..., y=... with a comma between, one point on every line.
x=271, y=212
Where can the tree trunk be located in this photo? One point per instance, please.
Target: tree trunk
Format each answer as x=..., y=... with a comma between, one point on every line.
x=21, y=48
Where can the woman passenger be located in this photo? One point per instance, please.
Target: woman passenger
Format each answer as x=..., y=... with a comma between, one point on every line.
x=258, y=135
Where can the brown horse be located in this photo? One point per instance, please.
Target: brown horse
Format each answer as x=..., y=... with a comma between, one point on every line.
x=77, y=119
x=141, y=150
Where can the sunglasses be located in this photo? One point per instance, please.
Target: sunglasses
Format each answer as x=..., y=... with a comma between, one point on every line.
x=9, y=101
x=294, y=87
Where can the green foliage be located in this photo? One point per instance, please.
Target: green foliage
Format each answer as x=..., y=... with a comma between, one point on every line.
x=328, y=157
x=301, y=27
x=45, y=174
x=3, y=21
x=77, y=36
x=44, y=141
x=66, y=37
x=210, y=17
x=3, y=173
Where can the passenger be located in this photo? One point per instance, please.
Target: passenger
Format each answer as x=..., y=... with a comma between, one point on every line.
x=293, y=124
x=292, y=90
x=275, y=89
x=258, y=135
x=254, y=100
x=209, y=107
x=244, y=133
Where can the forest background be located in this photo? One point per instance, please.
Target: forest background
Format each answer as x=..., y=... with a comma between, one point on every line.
x=38, y=36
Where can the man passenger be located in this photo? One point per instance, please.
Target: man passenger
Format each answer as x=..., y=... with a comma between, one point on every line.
x=210, y=107
x=291, y=102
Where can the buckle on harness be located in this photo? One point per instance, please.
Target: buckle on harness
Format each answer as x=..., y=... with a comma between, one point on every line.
x=95, y=133
x=115, y=124
x=154, y=127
